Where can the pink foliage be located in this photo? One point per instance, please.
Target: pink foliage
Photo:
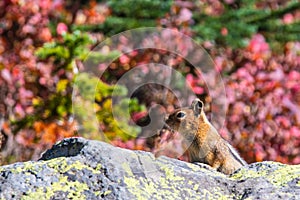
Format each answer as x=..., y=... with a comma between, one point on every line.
x=258, y=48
x=61, y=28
x=195, y=84
x=264, y=103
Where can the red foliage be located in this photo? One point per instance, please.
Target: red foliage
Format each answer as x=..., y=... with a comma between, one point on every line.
x=25, y=81
x=263, y=114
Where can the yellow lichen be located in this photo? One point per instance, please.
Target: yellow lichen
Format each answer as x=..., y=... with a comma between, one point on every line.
x=73, y=188
x=169, y=171
x=61, y=165
x=107, y=192
x=279, y=177
x=98, y=167
x=127, y=169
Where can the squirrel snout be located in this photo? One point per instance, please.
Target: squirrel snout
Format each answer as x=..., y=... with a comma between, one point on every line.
x=167, y=127
x=166, y=117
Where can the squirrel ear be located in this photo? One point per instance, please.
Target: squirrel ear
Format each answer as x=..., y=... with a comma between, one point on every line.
x=197, y=106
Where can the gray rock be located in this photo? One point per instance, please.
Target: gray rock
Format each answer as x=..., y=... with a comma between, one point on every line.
x=76, y=168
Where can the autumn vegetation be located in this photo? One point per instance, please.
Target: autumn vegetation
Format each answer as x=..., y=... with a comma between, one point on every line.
x=254, y=45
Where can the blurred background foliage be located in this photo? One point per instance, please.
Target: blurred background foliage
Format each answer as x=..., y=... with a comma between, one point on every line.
x=254, y=44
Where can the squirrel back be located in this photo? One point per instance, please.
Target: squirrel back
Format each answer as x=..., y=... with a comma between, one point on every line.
x=205, y=145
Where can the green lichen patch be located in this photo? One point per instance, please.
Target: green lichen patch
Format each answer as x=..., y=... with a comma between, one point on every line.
x=279, y=174
x=98, y=167
x=170, y=175
x=170, y=185
x=243, y=174
x=142, y=188
x=62, y=166
x=127, y=169
x=284, y=175
x=25, y=167
x=107, y=192
x=132, y=184
x=74, y=189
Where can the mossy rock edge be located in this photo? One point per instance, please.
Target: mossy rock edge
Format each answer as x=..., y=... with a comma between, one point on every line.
x=76, y=168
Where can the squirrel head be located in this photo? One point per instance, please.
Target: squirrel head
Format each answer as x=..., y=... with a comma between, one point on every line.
x=187, y=120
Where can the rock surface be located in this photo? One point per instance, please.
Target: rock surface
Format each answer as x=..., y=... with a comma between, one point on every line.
x=77, y=168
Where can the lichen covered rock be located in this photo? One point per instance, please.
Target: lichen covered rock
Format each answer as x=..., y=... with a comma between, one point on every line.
x=77, y=168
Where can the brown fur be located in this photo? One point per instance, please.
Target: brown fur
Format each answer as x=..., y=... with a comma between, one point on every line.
x=205, y=143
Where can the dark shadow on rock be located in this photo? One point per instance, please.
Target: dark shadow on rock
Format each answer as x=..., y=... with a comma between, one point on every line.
x=65, y=148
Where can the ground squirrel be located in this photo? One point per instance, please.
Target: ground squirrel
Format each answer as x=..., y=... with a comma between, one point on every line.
x=205, y=143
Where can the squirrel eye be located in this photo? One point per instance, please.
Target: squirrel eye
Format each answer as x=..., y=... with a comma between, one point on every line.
x=180, y=115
